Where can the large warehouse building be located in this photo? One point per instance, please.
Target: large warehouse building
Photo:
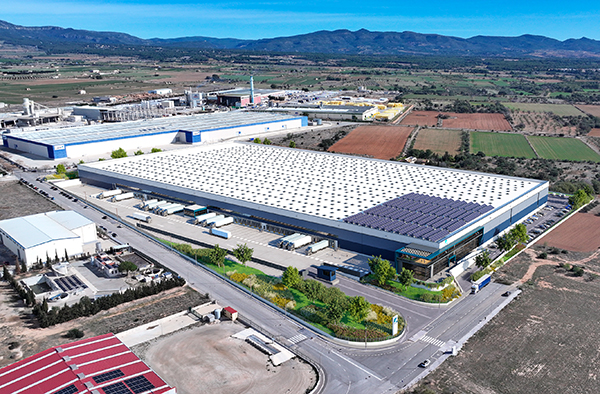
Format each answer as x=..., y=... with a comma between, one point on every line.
x=423, y=218
x=35, y=238
x=98, y=365
x=192, y=129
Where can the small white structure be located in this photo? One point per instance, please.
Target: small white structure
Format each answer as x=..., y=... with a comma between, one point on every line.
x=162, y=92
x=108, y=266
x=49, y=234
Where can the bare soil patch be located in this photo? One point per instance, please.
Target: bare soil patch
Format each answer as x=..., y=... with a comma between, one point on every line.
x=593, y=110
x=380, y=142
x=19, y=200
x=439, y=141
x=580, y=233
x=495, y=122
x=208, y=358
x=421, y=118
x=594, y=133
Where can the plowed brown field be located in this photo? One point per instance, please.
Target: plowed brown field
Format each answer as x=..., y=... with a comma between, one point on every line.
x=421, y=118
x=495, y=122
x=593, y=110
x=580, y=233
x=594, y=133
x=380, y=142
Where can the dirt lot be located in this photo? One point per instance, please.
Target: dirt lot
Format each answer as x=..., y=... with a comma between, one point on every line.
x=439, y=141
x=421, y=118
x=380, y=142
x=313, y=138
x=18, y=200
x=590, y=109
x=594, y=133
x=19, y=328
x=580, y=233
x=208, y=358
x=545, y=341
x=495, y=122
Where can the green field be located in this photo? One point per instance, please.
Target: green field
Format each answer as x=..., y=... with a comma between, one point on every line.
x=558, y=109
x=563, y=149
x=501, y=144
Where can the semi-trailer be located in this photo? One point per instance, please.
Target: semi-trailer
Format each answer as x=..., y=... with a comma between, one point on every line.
x=283, y=241
x=209, y=222
x=172, y=210
x=109, y=193
x=145, y=203
x=299, y=242
x=480, y=283
x=220, y=233
x=223, y=222
x=314, y=248
x=121, y=197
x=141, y=216
x=201, y=218
x=153, y=205
x=157, y=209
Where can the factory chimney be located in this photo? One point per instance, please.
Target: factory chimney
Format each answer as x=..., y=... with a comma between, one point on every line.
x=252, y=90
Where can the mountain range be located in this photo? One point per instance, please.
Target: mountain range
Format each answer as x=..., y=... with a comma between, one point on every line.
x=332, y=42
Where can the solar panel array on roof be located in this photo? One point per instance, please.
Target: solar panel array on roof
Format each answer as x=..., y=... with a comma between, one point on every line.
x=420, y=216
x=105, y=377
x=139, y=384
x=117, y=388
x=68, y=390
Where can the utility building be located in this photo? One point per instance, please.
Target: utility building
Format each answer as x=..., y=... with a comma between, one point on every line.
x=423, y=218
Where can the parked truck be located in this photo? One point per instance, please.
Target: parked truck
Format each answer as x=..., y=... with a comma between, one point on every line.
x=209, y=222
x=220, y=233
x=283, y=241
x=317, y=246
x=157, y=209
x=141, y=216
x=222, y=222
x=109, y=193
x=121, y=197
x=480, y=283
x=145, y=203
x=171, y=210
x=201, y=218
x=299, y=242
x=152, y=205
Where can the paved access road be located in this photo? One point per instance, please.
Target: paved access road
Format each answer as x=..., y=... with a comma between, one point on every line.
x=431, y=330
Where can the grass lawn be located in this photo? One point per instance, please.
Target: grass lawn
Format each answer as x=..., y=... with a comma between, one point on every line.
x=563, y=149
x=413, y=293
x=501, y=144
x=558, y=109
x=439, y=141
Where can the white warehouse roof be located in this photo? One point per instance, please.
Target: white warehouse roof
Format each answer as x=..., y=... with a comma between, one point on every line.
x=34, y=230
x=319, y=184
x=137, y=128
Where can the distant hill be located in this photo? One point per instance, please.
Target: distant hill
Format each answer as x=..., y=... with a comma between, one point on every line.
x=334, y=42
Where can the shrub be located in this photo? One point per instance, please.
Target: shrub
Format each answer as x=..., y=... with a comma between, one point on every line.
x=477, y=275
x=543, y=255
x=237, y=277
x=74, y=333
x=427, y=297
x=371, y=316
x=578, y=271
x=567, y=266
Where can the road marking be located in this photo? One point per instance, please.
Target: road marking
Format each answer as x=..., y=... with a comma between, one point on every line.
x=297, y=338
x=433, y=341
x=355, y=364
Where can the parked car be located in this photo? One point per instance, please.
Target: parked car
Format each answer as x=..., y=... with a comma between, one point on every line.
x=425, y=363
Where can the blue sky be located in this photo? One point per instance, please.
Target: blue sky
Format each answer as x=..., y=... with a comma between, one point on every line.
x=274, y=18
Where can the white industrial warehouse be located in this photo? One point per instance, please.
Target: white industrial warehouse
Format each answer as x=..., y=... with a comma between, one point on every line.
x=80, y=141
x=367, y=205
x=35, y=238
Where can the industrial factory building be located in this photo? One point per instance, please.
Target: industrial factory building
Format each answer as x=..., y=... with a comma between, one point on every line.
x=242, y=97
x=35, y=238
x=330, y=112
x=86, y=140
x=423, y=218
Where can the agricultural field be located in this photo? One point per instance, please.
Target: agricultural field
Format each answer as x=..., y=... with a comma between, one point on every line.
x=439, y=141
x=501, y=144
x=594, y=133
x=493, y=122
x=421, y=118
x=557, y=109
x=593, y=110
x=555, y=318
x=580, y=233
x=380, y=142
x=541, y=123
x=563, y=149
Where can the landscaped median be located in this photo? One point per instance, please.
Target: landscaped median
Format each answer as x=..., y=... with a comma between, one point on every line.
x=327, y=308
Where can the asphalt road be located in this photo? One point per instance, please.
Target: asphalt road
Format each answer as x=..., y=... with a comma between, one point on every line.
x=430, y=332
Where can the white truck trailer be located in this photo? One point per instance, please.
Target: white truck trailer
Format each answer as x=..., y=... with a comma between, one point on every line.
x=121, y=197
x=160, y=207
x=172, y=209
x=222, y=222
x=201, y=218
x=314, y=248
x=299, y=242
x=141, y=216
x=109, y=193
x=152, y=205
x=220, y=233
x=209, y=222
x=145, y=203
x=285, y=243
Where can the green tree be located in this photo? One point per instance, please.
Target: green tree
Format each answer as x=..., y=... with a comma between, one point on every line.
x=243, y=253
x=66, y=255
x=156, y=150
x=119, y=153
x=373, y=262
x=138, y=152
x=5, y=273
x=266, y=141
x=506, y=242
x=45, y=305
x=257, y=141
x=292, y=144
x=579, y=199
x=335, y=310
x=313, y=289
x=216, y=255
x=519, y=233
x=127, y=266
x=359, y=308
x=81, y=162
x=60, y=169
x=291, y=277
x=406, y=277
x=483, y=259
x=384, y=272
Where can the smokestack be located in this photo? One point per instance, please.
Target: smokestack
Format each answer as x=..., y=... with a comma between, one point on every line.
x=251, y=89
